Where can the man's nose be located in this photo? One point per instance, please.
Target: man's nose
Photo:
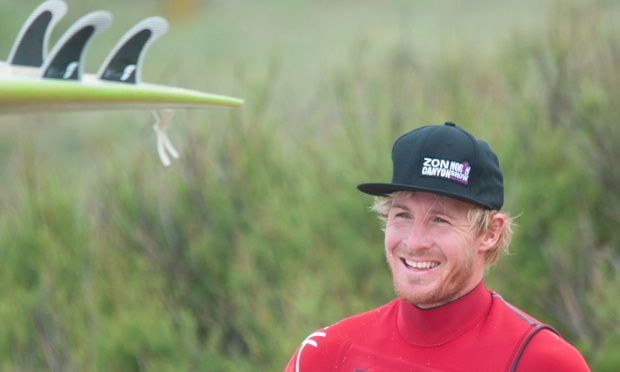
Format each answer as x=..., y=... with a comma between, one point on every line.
x=418, y=236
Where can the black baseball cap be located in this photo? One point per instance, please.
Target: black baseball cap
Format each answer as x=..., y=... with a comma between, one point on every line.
x=447, y=160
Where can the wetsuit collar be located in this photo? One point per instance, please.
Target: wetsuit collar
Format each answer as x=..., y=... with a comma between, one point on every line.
x=442, y=324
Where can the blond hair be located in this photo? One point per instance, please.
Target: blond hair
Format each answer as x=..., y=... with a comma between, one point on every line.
x=480, y=219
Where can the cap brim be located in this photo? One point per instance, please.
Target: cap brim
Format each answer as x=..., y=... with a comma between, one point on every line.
x=384, y=189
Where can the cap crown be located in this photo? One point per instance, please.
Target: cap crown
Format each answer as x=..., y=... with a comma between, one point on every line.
x=446, y=160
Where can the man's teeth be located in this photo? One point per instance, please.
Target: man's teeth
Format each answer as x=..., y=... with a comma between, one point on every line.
x=421, y=265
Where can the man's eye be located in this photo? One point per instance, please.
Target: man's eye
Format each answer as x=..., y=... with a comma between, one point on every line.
x=440, y=220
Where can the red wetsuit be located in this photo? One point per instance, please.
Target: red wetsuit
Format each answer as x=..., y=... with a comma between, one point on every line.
x=478, y=332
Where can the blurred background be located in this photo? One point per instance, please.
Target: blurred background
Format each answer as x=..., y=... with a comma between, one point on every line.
x=257, y=236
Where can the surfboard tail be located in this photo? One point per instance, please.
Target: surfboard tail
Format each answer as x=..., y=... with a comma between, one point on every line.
x=124, y=63
x=30, y=47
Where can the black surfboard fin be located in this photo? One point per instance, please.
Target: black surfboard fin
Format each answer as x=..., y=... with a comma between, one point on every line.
x=124, y=63
x=65, y=61
x=30, y=46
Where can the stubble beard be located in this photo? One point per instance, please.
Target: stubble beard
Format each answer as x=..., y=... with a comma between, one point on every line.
x=446, y=289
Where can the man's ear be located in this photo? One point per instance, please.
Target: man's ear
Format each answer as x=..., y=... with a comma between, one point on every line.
x=490, y=238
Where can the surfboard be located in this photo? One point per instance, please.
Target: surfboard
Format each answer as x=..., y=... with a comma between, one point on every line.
x=33, y=80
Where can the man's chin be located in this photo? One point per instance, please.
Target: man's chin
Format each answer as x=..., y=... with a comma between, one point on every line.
x=421, y=298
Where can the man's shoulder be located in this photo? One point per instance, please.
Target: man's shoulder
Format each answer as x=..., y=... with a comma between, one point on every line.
x=324, y=347
x=541, y=348
x=547, y=351
x=361, y=323
x=510, y=313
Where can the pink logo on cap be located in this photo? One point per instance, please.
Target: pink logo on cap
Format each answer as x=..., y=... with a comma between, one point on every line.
x=449, y=169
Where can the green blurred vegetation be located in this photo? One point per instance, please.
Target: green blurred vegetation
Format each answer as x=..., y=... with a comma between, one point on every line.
x=257, y=236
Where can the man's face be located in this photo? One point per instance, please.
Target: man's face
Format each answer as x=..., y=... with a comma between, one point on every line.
x=434, y=255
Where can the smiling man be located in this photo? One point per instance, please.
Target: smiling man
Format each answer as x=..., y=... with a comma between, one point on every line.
x=443, y=229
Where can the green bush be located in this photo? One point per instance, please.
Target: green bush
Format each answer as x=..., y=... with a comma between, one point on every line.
x=257, y=236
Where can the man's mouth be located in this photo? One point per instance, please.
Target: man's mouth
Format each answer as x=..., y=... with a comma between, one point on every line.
x=420, y=264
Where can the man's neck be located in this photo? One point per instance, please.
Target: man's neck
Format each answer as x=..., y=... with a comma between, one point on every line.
x=435, y=326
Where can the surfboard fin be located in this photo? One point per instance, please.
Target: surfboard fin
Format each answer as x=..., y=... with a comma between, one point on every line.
x=65, y=61
x=124, y=63
x=30, y=46
x=164, y=146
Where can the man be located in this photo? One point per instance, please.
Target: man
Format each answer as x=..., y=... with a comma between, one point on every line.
x=443, y=229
